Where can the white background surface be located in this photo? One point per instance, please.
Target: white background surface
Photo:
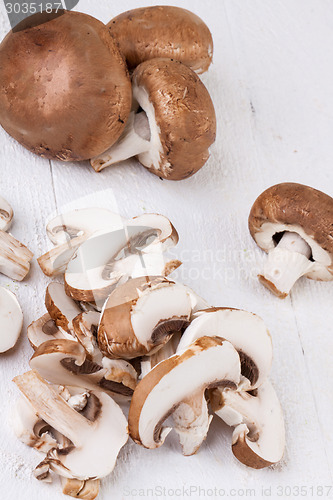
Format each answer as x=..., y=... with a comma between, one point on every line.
x=271, y=83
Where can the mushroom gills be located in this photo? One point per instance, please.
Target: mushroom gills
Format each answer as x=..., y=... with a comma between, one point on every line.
x=286, y=263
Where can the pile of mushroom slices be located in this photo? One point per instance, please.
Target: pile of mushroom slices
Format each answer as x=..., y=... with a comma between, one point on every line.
x=163, y=115
x=293, y=223
x=15, y=261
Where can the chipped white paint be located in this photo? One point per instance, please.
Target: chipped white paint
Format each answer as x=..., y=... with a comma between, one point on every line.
x=271, y=83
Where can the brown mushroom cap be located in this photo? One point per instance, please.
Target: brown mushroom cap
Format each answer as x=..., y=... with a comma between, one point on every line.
x=295, y=204
x=184, y=113
x=163, y=31
x=65, y=91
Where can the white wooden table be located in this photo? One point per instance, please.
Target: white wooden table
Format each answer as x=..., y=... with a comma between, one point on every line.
x=271, y=83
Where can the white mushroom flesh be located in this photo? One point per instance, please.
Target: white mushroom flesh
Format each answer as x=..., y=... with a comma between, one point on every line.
x=15, y=258
x=11, y=319
x=6, y=214
x=44, y=329
x=62, y=308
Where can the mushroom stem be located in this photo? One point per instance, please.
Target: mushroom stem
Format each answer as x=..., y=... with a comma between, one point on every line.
x=14, y=257
x=192, y=422
x=134, y=140
x=286, y=263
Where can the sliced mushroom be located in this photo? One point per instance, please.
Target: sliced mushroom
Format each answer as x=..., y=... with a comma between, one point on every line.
x=15, y=258
x=141, y=315
x=165, y=352
x=6, y=215
x=293, y=223
x=87, y=490
x=11, y=320
x=75, y=96
x=163, y=31
x=64, y=362
x=246, y=331
x=96, y=438
x=85, y=327
x=61, y=308
x=172, y=134
x=258, y=439
x=68, y=231
x=112, y=257
x=179, y=383
x=44, y=329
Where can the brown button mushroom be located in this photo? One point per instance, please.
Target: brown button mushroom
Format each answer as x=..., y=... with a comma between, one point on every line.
x=163, y=31
x=293, y=223
x=172, y=134
x=65, y=90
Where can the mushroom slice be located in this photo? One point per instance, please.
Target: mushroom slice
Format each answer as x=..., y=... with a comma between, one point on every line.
x=44, y=329
x=6, y=215
x=258, y=439
x=15, y=258
x=11, y=319
x=173, y=133
x=64, y=362
x=108, y=258
x=141, y=315
x=246, y=331
x=61, y=308
x=166, y=351
x=68, y=231
x=85, y=327
x=96, y=438
x=87, y=490
x=293, y=223
x=145, y=33
x=75, y=96
x=179, y=383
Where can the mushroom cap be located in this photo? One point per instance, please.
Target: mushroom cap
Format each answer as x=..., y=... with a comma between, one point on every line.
x=184, y=114
x=74, y=97
x=11, y=319
x=298, y=208
x=163, y=31
x=141, y=315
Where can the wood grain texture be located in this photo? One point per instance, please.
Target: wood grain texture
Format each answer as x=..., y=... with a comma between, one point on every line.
x=271, y=83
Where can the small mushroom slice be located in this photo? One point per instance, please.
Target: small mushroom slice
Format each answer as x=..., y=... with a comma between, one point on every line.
x=15, y=257
x=68, y=231
x=64, y=362
x=44, y=329
x=163, y=31
x=112, y=257
x=85, y=327
x=96, y=438
x=293, y=223
x=6, y=215
x=172, y=135
x=87, y=490
x=246, y=331
x=11, y=319
x=258, y=439
x=140, y=316
x=61, y=308
x=179, y=383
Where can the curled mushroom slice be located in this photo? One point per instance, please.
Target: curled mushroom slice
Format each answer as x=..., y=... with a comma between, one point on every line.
x=293, y=224
x=6, y=215
x=97, y=434
x=172, y=134
x=179, y=383
x=68, y=231
x=11, y=320
x=15, y=257
x=85, y=327
x=258, y=439
x=64, y=362
x=87, y=490
x=141, y=315
x=108, y=258
x=146, y=33
x=61, y=308
x=44, y=329
x=246, y=331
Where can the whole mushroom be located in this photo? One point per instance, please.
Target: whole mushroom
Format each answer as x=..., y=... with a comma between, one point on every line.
x=163, y=31
x=177, y=125
x=293, y=223
x=65, y=89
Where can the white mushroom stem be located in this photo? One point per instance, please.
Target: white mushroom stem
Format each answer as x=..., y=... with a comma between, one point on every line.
x=134, y=140
x=286, y=263
x=14, y=257
x=192, y=422
x=87, y=490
